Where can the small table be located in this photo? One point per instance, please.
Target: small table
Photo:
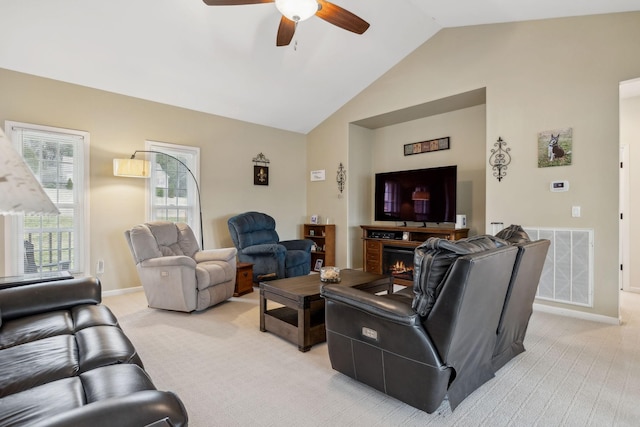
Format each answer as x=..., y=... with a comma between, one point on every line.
x=301, y=320
x=244, y=279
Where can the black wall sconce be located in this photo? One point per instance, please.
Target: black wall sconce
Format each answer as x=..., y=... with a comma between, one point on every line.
x=500, y=159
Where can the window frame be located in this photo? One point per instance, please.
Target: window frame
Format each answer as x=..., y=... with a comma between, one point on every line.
x=14, y=231
x=191, y=153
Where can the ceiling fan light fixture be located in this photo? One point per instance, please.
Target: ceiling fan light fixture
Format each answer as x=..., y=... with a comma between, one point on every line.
x=297, y=10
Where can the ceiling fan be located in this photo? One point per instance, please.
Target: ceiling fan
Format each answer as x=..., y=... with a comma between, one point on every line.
x=294, y=11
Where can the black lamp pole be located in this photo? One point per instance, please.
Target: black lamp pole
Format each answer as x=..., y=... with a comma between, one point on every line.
x=133, y=156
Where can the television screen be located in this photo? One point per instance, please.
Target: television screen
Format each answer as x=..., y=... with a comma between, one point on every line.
x=419, y=195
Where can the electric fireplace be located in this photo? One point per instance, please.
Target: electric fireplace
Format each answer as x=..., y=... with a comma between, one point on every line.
x=398, y=261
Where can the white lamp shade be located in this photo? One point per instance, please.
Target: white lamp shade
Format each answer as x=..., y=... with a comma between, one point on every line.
x=297, y=10
x=20, y=191
x=135, y=168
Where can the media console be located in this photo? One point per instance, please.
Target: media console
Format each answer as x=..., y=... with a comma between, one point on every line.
x=376, y=237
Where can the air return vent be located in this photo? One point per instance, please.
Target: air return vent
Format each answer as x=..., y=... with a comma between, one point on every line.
x=567, y=276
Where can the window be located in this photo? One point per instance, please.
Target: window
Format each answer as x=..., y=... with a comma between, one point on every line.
x=391, y=198
x=173, y=191
x=51, y=243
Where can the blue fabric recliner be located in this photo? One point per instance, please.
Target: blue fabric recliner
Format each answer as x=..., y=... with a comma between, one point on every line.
x=254, y=235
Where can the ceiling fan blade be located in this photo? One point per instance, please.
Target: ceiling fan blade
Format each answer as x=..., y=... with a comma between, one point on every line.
x=234, y=2
x=285, y=31
x=341, y=17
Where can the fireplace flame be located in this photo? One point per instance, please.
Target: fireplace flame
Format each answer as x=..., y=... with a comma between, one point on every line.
x=399, y=267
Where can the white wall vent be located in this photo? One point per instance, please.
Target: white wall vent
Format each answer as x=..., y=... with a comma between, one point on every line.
x=567, y=276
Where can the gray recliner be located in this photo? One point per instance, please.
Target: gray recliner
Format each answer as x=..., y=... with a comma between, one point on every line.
x=174, y=272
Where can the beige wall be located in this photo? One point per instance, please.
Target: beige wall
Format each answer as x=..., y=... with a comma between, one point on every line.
x=539, y=75
x=466, y=128
x=119, y=125
x=360, y=171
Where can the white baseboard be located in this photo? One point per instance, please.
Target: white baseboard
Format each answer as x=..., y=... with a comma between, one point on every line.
x=121, y=291
x=576, y=314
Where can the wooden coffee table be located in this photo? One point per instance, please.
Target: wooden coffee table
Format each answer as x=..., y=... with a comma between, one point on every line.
x=300, y=319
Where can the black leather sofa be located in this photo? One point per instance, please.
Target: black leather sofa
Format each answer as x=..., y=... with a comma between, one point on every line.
x=438, y=339
x=65, y=361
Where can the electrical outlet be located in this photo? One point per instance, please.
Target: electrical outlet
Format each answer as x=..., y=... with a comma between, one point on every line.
x=100, y=267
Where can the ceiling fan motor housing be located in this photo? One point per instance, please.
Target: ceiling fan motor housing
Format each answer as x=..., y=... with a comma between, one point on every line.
x=297, y=10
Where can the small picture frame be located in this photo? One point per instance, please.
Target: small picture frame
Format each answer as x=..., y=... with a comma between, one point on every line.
x=318, y=265
x=260, y=175
x=315, y=219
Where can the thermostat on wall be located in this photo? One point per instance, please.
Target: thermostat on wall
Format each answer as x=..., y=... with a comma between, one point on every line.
x=558, y=186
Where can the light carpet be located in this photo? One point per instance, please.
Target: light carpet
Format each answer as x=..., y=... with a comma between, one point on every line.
x=228, y=373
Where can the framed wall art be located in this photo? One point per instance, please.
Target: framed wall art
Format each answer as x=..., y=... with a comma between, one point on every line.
x=260, y=170
x=427, y=146
x=261, y=175
x=555, y=147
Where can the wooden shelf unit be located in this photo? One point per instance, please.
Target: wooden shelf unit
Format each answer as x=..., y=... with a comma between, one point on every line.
x=375, y=237
x=324, y=236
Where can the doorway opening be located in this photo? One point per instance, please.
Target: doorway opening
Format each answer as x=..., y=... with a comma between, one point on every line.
x=629, y=156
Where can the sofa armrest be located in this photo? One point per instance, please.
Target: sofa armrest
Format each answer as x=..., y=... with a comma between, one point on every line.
x=37, y=298
x=264, y=249
x=390, y=309
x=223, y=254
x=136, y=410
x=169, y=261
x=297, y=245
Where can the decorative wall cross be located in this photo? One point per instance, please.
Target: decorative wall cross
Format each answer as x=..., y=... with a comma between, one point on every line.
x=500, y=159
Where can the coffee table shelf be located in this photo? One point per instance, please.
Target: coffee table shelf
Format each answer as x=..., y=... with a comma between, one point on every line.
x=283, y=322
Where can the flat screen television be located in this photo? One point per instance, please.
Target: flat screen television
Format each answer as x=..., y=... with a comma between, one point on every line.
x=419, y=195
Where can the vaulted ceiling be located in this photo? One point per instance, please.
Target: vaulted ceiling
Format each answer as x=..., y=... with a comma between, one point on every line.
x=223, y=60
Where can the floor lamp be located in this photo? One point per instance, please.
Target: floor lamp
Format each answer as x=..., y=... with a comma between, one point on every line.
x=137, y=168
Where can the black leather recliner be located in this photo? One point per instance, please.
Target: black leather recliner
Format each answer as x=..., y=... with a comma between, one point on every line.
x=438, y=343
x=518, y=304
